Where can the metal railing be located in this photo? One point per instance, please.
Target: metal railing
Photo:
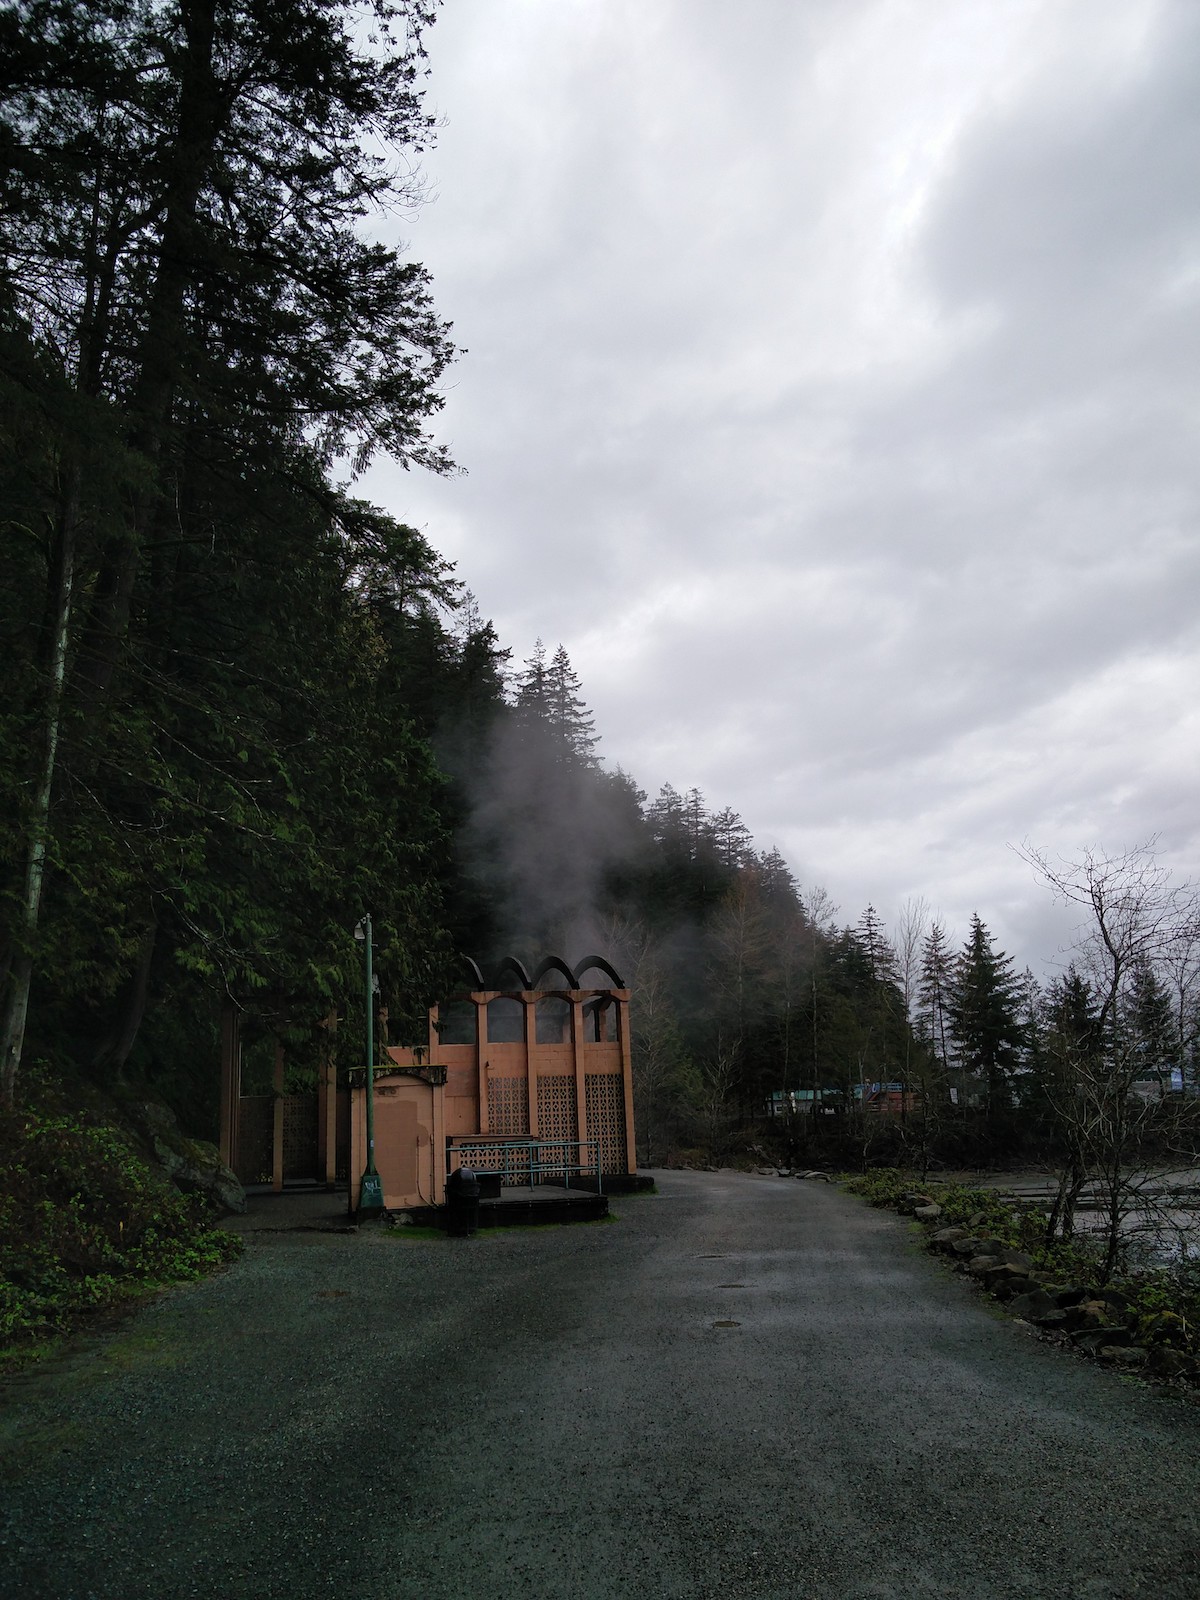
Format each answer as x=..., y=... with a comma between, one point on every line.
x=527, y=1161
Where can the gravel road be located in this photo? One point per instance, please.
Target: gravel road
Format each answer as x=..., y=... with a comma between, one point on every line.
x=742, y=1387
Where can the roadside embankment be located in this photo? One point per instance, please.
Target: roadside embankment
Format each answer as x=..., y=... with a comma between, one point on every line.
x=90, y=1217
x=1144, y=1320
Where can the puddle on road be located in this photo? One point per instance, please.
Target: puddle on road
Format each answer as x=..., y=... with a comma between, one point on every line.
x=710, y=1258
x=731, y=1286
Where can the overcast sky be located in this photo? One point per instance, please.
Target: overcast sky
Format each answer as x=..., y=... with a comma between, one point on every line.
x=831, y=394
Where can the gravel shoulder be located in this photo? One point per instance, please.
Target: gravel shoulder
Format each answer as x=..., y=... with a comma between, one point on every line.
x=741, y=1387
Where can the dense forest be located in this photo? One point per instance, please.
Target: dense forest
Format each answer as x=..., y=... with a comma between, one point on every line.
x=240, y=706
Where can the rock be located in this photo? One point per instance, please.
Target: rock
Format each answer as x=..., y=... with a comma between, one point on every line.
x=1116, y=1302
x=193, y=1165
x=1094, y=1338
x=1088, y=1339
x=1017, y=1258
x=1092, y=1314
x=1129, y=1355
x=1167, y=1328
x=1067, y=1295
x=1036, y=1303
x=1052, y=1321
x=977, y=1221
x=929, y=1213
x=1011, y=1287
x=992, y=1247
x=970, y=1246
x=945, y=1238
x=1162, y=1362
x=981, y=1266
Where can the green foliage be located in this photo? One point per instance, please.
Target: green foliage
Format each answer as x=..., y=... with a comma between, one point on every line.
x=85, y=1223
x=1164, y=1302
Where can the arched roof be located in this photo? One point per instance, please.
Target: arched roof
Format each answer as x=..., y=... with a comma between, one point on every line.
x=473, y=971
x=511, y=964
x=549, y=965
x=598, y=963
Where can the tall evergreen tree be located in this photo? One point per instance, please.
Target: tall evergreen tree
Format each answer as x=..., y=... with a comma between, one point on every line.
x=183, y=254
x=568, y=716
x=985, y=1002
x=934, y=990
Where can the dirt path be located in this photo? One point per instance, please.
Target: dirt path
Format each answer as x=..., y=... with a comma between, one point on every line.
x=743, y=1387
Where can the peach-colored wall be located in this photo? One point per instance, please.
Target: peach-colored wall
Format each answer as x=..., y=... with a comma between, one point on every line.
x=409, y=1141
x=413, y=1119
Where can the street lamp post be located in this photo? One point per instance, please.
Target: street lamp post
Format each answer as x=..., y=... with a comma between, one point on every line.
x=370, y=1194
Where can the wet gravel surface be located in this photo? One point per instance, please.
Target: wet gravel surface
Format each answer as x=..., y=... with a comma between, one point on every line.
x=744, y=1387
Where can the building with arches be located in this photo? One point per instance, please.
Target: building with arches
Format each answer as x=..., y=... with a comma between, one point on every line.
x=525, y=1075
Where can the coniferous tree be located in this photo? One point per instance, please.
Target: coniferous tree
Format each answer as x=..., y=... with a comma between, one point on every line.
x=185, y=267
x=934, y=989
x=566, y=712
x=984, y=1012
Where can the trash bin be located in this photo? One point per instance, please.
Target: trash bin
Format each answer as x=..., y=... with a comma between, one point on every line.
x=462, y=1202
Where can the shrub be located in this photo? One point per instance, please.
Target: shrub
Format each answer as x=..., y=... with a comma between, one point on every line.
x=85, y=1222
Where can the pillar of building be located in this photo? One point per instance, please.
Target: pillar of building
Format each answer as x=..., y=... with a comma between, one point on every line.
x=327, y=1103
x=577, y=1041
x=622, y=998
x=231, y=1080
x=481, y=1004
x=277, y=1121
x=529, y=1000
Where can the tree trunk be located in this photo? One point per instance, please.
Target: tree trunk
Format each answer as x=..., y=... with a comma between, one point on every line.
x=113, y=1053
x=62, y=580
x=161, y=357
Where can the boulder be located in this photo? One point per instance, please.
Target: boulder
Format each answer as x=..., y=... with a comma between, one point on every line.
x=1092, y=1314
x=1032, y=1306
x=945, y=1238
x=992, y=1247
x=1067, y=1295
x=193, y=1165
x=1116, y=1302
x=1005, y=1282
x=1052, y=1321
x=1096, y=1338
x=1017, y=1258
x=1162, y=1362
x=1166, y=1328
x=968, y=1247
x=977, y=1221
x=981, y=1266
x=929, y=1213
x=1128, y=1355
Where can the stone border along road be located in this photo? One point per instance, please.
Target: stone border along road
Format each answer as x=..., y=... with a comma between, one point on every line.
x=740, y=1388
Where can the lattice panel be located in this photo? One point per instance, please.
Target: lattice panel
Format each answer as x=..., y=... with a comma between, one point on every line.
x=512, y=1165
x=556, y=1107
x=256, y=1120
x=508, y=1107
x=605, y=1100
x=300, y=1136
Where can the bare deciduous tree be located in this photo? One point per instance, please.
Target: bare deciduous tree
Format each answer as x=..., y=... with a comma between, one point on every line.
x=1135, y=921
